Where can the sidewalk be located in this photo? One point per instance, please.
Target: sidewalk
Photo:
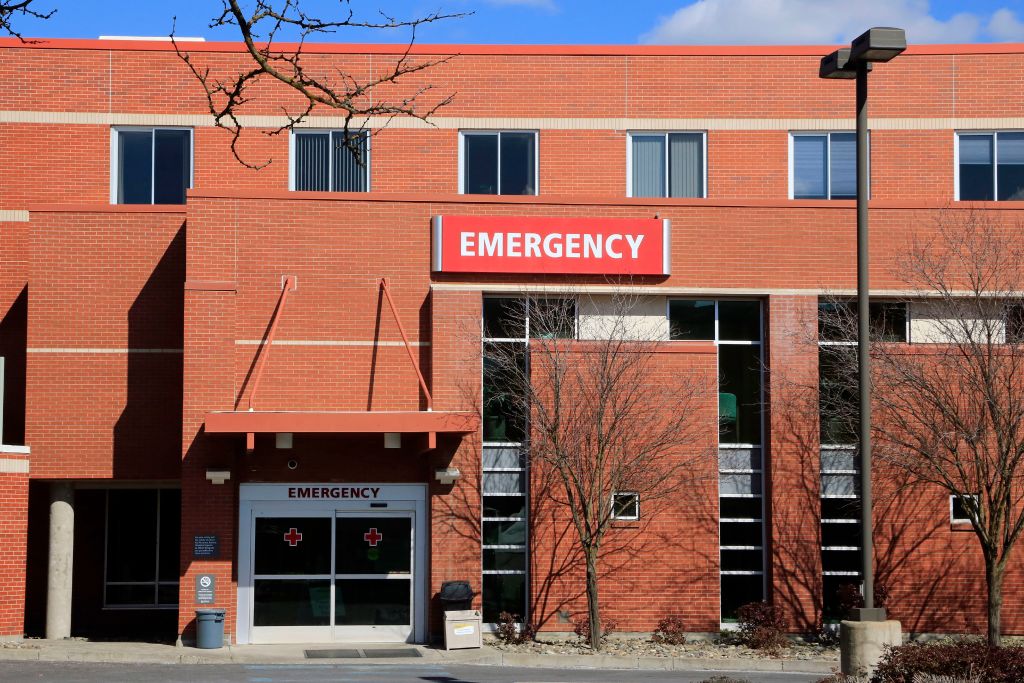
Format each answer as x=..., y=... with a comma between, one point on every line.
x=152, y=653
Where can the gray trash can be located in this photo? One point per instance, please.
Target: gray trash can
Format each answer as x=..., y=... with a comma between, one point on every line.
x=209, y=628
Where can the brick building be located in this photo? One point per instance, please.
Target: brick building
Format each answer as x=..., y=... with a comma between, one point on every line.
x=143, y=269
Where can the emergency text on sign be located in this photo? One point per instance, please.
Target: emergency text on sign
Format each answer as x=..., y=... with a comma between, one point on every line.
x=553, y=245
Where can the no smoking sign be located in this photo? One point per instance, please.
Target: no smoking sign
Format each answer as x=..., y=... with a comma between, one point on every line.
x=206, y=585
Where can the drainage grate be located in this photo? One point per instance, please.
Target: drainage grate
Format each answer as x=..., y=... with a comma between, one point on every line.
x=384, y=653
x=332, y=654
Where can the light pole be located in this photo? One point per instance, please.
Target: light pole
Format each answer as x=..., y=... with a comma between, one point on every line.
x=874, y=45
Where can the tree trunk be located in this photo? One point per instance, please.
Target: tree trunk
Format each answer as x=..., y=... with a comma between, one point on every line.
x=594, y=615
x=994, y=578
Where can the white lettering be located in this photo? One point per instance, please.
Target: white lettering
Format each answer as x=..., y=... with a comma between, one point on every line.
x=572, y=246
x=532, y=247
x=591, y=246
x=491, y=245
x=553, y=250
x=608, y=246
x=634, y=244
x=466, y=246
x=513, y=241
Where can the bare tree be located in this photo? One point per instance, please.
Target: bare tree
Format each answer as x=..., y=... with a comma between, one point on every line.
x=11, y=8
x=341, y=91
x=601, y=414
x=948, y=410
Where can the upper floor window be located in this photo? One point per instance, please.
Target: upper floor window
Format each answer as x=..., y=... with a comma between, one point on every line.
x=328, y=161
x=823, y=166
x=498, y=162
x=990, y=166
x=151, y=165
x=666, y=165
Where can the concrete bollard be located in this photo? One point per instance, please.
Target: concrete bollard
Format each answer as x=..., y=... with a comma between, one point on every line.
x=861, y=644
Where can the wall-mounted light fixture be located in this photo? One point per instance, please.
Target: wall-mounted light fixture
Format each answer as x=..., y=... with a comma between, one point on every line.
x=392, y=439
x=283, y=440
x=447, y=475
x=218, y=476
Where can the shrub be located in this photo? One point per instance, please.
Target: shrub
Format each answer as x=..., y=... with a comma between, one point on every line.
x=670, y=631
x=826, y=635
x=850, y=597
x=582, y=628
x=510, y=631
x=762, y=626
x=966, y=659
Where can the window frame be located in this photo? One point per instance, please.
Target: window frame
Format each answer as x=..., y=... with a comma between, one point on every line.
x=156, y=583
x=828, y=168
x=636, y=506
x=115, y=159
x=497, y=134
x=629, y=160
x=995, y=162
x=953, y=520
x=330, y=165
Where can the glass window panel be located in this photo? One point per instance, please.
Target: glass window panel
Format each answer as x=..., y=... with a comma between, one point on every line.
x=741, y=533
x=280, y=550
x=480, y=155
x=503, y=593
x=742, y=560
x=295, y=602
x=167, y=594
x=1011, y=166
x=504, y=506
x=626, y=506
x=504, y=482
x=977, y=172
x=312, y=162
x=504, y=560
x=135, y=594
x=839, y=484
x=832, y=459
x=732, y=484
x=350, y=167
x=503, y=457
x=836, y=534
x=888, y=321
x=648, y=165
x=739, y=320
x=170, y=534
x=372, y=602
x=740, y=508
x=135, y=175
x=810, y=163
x=686, y=165
x=843, y=166
x=830, y=594
x=505, y=533
x=738, y=590
x=504, y=318
x=837, y=321
x=840, y=508
x=959, y=510
x=690, y=319
x=518, y=163
x=131, y=536
x=739, y=459
x=837, y=394
x=840, y=560
x=739, y=398
x=1014, y=315
x=172, y=169
x=553, y=319
x=373, y=545
x=503, y=408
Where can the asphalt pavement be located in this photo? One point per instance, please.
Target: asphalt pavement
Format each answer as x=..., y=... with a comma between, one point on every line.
x=86, y=672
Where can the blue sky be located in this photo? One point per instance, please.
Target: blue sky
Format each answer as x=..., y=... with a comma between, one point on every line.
x=580, y=21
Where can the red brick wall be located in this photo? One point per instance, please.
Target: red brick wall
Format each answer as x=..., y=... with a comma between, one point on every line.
x=13, y=541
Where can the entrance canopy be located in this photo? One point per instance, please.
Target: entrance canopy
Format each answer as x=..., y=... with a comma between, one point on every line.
x=341, y=422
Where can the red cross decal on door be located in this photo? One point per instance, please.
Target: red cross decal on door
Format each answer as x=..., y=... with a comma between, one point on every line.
x=373, y=537
x=293, y=537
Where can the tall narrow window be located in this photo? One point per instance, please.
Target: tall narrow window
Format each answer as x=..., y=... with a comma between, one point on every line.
x=328, y=161
x=499, y=163
x=152, y=166
x=666, y=165
x=824, y=166
x=142, y=548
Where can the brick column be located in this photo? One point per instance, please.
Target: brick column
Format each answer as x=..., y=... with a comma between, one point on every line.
x=14, y=464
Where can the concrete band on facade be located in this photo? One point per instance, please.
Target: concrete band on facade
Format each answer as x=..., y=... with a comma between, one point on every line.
x=131, y=333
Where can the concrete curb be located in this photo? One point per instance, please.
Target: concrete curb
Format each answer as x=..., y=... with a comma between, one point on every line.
x=131, y=653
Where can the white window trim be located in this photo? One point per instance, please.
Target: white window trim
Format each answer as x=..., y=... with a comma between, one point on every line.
x=959, y=520
x=497, y=133
x=828, y=163
x=629, y=159
x=115, y=156
x=626, y=518
x=330, y=181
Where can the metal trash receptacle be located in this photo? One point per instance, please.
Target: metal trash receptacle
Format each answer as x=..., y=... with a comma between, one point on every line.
x=209, y=628
x=462, y=629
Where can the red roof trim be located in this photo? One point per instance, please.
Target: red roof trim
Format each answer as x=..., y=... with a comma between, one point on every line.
x=265, y=422
x=539, y=50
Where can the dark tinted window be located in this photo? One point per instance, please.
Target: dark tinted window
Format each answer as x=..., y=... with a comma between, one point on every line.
x=691, y=319
x=135, y=175
x=350, y=162
x=977, y=170
x=312, y=162
x=518, y=163
x=480, y=175
x=739, y=398
x=837, y=321
x=739, y=320
x=154, y=166
x=504, y=318
x=1010, y=152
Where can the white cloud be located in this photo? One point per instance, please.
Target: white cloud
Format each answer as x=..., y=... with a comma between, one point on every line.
x=780, y=22
x=546, y=5
x=1005, y=27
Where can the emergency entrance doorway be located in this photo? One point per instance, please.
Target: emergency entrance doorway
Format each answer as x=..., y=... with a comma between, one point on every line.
x=331, y=563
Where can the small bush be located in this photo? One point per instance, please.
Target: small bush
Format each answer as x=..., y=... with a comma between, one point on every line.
x=510, y=631
x=762, y=626
x=850, y=597
x=963, y=660
x=670, y=631
x=582, y=628
x=826, y=635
